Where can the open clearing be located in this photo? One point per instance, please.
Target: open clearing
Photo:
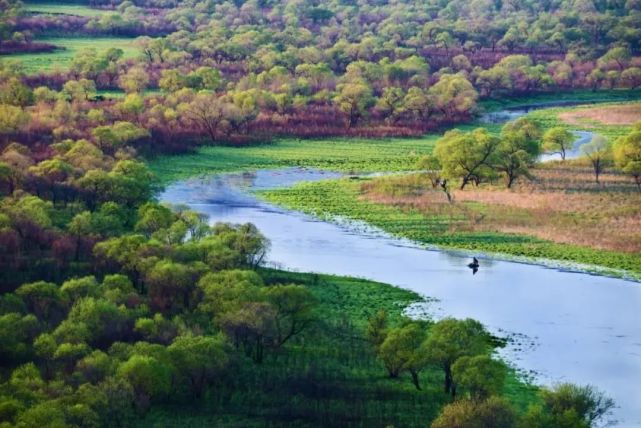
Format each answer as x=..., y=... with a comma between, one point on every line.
x=65, y=9
x=70, y=46
x=625, y=114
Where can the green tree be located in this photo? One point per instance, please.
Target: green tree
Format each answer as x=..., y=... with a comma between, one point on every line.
x=453, y=95
x=149, y=378
x=494, y=412
x=627, y=154
x=12, y=119
x=517, y=150
x=391, y=103
x=294, y=310
x=599, y=153
x=135, y=80
x=14, y=92
x=451, y=339
x=558, y=140
x=354, y=99
x=479, y=375
x=568, y=405
x=466, y=155
x=401, y=350
x=199, y=359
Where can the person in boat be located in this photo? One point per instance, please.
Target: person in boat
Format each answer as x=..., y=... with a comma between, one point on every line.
x=474, y=265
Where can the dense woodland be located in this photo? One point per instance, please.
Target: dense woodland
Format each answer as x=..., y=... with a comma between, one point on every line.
x=114, y=306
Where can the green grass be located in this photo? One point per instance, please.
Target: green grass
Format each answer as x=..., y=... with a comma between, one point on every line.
x=339, y=154
x=60, y=60
x=65, y=9
x=583, y=95
x=340, y=198
x=329, y=376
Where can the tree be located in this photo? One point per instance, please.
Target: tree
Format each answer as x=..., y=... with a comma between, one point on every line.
x=453, y=95
x=391, y=103
x=354, y=99
x=401, y=350
x=451, y=339
x=211, y=113
x=431, y=167
x=377, y=329
x=294, y=310
x=43, y=299
x=418, y=103
x=599, y=153
x=79, y=90
x=16, y=93
x=568, y=405
x=466, y=155
x=517, y=150
x=479, y=375
x=149, y=378
x=134, y=80
x=12, y=118
x=631, y=77
x=495, y=412
x=199, y=359
x=627, y=154
x=117, y=135
x=619, y=55
x=170, y=285
x=558, y=140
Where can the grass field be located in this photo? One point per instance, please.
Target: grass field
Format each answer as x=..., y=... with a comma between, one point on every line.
x=65, y=9
x=353, y=155
x=578, y=96
x=330, y=375
x=618, y=115
x=61, y=59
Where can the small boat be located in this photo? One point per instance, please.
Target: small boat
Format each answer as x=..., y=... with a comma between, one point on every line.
x=474, y=265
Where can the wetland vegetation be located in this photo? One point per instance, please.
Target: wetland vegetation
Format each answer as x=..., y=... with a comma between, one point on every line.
x=117, y=310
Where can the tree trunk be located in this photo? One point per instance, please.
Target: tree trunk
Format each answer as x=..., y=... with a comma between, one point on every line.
x=415, y=379
x=448, y=378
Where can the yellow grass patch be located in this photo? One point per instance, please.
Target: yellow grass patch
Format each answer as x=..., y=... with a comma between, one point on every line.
x=562, y=205
x=624, y=114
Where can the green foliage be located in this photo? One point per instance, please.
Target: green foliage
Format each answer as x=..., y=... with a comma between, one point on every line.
x=494, y=412
x=480, y=376
x=627, y=154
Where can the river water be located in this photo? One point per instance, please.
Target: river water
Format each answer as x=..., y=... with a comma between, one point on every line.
x=565, y=326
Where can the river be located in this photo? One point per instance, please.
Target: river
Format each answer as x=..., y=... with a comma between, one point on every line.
x=564, y=326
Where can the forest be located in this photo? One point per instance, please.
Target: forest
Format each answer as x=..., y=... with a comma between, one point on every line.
x=119, y=309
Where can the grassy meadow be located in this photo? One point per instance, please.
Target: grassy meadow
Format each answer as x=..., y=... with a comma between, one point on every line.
x=64, y=9
x=338, y=154
x=61, y=59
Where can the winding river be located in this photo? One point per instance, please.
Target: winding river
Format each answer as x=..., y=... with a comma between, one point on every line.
x=565, y=326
